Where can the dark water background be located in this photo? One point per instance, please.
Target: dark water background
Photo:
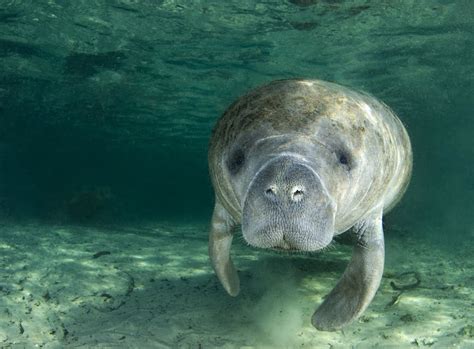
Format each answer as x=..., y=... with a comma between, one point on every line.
x=106, y=106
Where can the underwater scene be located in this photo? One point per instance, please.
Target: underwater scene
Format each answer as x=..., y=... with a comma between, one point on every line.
x=213, y=174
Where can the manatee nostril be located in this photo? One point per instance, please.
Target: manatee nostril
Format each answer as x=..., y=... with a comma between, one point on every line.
x=271, y=192
x=297, y=194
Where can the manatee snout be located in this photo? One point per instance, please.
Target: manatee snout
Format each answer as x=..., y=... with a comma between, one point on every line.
x=287, y=207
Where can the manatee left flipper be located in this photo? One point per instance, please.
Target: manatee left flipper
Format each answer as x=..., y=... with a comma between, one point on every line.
x=220, y=240
x=360, y=281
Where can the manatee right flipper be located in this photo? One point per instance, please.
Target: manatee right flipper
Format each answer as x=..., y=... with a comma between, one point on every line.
x=360, y=281
x=220, y=240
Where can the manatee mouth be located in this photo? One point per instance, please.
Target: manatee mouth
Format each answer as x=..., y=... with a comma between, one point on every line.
x=294, y=240
x=288, y=208
x=284, y=245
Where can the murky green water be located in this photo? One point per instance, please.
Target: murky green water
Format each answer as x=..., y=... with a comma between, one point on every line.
x=106, y=108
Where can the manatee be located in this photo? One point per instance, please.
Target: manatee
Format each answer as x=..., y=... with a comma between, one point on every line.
x=297, y=162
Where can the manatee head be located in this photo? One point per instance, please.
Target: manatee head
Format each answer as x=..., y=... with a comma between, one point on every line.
x=281, y=182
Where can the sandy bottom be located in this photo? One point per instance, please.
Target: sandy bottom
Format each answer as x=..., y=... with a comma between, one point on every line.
x=151, y=286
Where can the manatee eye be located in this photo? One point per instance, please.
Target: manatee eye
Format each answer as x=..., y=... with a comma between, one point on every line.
x=345, y=159
x=236, y=161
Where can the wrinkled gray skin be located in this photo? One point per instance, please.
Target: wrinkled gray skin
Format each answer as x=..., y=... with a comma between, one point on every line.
x=297, y=162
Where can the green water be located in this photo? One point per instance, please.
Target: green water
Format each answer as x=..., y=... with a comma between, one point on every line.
x=106, y=107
